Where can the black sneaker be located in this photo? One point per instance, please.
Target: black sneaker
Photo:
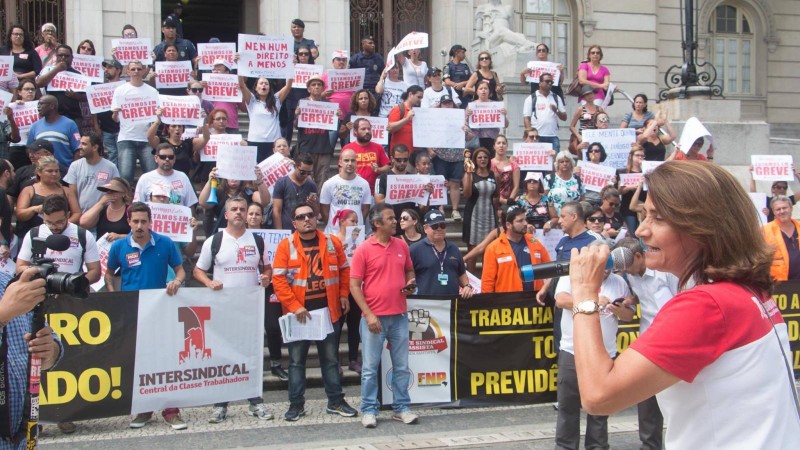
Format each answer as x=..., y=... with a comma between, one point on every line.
x=280, y=373
x=342, y=409
x=295, y=412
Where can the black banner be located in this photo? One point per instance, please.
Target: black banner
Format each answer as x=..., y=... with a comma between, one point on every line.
x=787, y=297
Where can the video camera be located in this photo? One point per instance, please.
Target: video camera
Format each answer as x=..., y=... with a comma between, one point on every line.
x=74, y=284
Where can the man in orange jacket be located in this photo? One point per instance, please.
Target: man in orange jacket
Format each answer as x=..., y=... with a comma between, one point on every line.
x=311, y=272
x=505, y=255
x=782, y=233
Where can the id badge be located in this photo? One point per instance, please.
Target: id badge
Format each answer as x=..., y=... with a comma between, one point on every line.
x=443, y=279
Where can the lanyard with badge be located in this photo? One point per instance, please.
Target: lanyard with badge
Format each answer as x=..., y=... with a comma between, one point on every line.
x=442, y=277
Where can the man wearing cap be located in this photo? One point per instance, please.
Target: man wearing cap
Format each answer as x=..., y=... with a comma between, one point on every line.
x=543, y=110
x=372, y=63
x=26, y=175
x=506, y=255
x=89, y=172
x=316, y=141
x=132, y=139
x=372, y=159
x=177, y=184
x=338, y=61
x=69, y=101
x=438, y=265
x=433, y=93
x=298, y=28
x=61, y=131
x=176, y=17
x=104, y=122
x=456, y=73
x=186, y=49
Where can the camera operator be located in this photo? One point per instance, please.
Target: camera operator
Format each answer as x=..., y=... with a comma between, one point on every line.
x=82, y=249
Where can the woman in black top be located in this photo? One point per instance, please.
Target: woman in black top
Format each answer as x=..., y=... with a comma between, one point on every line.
x=108, y=215
x=27, y=63
x=184, y=149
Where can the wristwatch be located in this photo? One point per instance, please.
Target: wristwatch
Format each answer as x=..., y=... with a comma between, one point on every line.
x=586, y=307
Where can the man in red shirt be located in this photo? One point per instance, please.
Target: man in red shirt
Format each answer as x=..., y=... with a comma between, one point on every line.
x=400, y=118
x=371, y=160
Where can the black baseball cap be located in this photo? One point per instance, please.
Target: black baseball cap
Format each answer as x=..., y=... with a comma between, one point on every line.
x=41, y=144
x=456, y=48
x=169, y=22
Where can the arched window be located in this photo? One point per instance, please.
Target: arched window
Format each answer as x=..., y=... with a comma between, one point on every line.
x=548, y=22
x=732, y=49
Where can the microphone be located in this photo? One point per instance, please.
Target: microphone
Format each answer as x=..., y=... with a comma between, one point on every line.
x=57, y=242
x=619, y=259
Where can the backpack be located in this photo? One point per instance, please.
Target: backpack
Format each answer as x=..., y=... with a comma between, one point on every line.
x=216, y=244
x=533, y=103
x=81, y=239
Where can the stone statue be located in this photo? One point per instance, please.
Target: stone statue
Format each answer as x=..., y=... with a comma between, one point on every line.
x=493, y=28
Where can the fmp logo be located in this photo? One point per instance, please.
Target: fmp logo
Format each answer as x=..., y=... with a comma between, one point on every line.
x=194, y=332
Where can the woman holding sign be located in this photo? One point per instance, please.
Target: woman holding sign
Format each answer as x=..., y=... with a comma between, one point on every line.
x=214, y=213
x=185, y=149
x=486, y=136
x=362, y=103
x=263, y=109
x=634, y=166
x=27, y=63
x=480, y=190
x=303, y=55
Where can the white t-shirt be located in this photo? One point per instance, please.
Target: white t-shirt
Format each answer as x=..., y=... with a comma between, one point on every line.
x=430, y=98
x=87, y=177
x=132, y=131
x=415, y=75
x=237, y=263
x=69, y=261
x=264, y=125
x=177, y=183
x=546, y=121
x=654, y=289
x=392, y=91
x=612, y=288
x=344, y=194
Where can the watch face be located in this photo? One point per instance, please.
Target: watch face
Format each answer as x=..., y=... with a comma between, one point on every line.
x=587, y=306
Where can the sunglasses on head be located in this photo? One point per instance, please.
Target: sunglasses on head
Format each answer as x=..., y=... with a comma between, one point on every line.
x=438, y=226
x=302, y=217
x=166, y=157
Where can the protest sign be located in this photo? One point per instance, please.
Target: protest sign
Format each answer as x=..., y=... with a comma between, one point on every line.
x=273, y=168
x=407, y=188
x=616, y=141
x=772, y=167
x=647, y=167
x=271, y=240
x=439, y=194
x=68, y=81
x=208, y=53
x=91, y=66
x=415, y=39
x=136, y=108
x=180, y=109
x=7, y=68
x=25, y=114
x=127, y=50
x=189, y=133
x=609, y=95
x=353, y=237
x=693, y=130
x=390, y=59
x=475, y=282
x=173, y=74
x=266, y=56
x=5, y=100
x=8, y=267
x=595, y=176
x=759, y=200
x=302, y=72
x=103, y=247
x=346, y=80
x=173, y=221
x=380, y=133
x=534, y=156
x=222, y=87
x=550, y=241
x=487, y=115
x=236, y=162
x=100, y=96
x=320, y=115
x=438, y=128
x=209, y=152
x=537, y=68
x=630, y=179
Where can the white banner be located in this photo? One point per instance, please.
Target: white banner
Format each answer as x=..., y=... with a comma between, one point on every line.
x=487, y=115
x=595, y=176
x=91, y=66
x=180, y=109
x=5, y=100
x=438, y=128
x=222, y=87
x=127, y=50
x=135, y=108
x=550, y=240
x=236, y=162
x=407, y=188
x=209, y=152
x=346, y=80
x=302, y=72
x=273, y=168
x=25, y=114
x=173, y=74
x=616, y=141
x=208, y=53
x=7, y=68
x=271, y=240
x=266, y=56
x=173, y=221
x=198, y=347
x=759, y=200
x=534, y=156
x=380, y=133
x=630, y=179
x=320, y=115
x=439, y=194
x=103, y=246
x=772, y=167
x=100, y=96
x=537, y=68
x=68, y=81
x=415, y=39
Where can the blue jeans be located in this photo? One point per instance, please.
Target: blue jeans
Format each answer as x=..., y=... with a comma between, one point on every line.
x=394, y=329
x=328, y=350
x=128, y=151
x=110, y=145
x=553, y=140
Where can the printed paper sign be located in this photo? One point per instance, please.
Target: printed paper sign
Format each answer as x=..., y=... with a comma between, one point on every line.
x=100, y=96
x=536, y=156
x=103, y=247
x=91, y=66
x=595, y=176
x=25, y=114
x=487, y=115
x=550, y=241
x=415, y=39
x=302, y=72
x=236, y=162
x=127, y=50
x=759, y=200
x=138, y=108
x=222, y=87
x=208, y=53
x=273, y=168
x=353, y=237
x=537, y=68
x=5, y=100
x=189, y=133
x=438, y=128
x=693, y=129
x=173, y=74
x=630, y=179
x=647, y=167
x=407, y=188
x=209, y=152
x=266, y=56
x=179, y=109
x=616, y=141
x=772, y=167
x=439, y=194
x=320, y=115
x=7, y=68
x=173, y=221
x=380, y=133
x=475, y=282
x=390, y=58
x=346, y=80
x=68, y=81
x=609, y=95
x=271, y=240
